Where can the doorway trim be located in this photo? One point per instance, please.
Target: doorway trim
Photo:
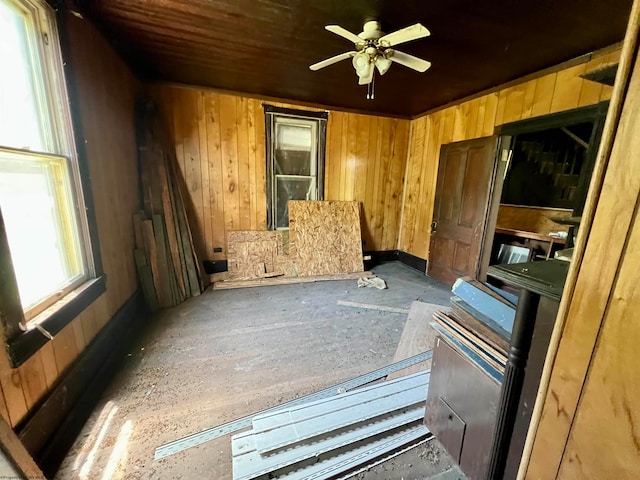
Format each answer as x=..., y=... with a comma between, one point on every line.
x=506, y=133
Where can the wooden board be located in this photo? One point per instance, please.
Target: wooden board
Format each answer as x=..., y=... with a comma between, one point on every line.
x=417, y=336
x=471, y=323
x=327, y=236
x=531, y=219
x=265, y=282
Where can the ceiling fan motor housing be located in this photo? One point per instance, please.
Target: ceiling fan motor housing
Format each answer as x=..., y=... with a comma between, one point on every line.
x=371, y=31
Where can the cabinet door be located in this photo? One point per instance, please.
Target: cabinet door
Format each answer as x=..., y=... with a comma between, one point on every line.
x=461, y=390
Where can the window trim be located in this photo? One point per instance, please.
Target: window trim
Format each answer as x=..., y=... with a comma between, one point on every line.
x=270, y=112
x=21, y=344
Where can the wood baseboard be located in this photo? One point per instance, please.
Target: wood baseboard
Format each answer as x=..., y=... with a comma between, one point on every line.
x=50, y=430
x=417, y=263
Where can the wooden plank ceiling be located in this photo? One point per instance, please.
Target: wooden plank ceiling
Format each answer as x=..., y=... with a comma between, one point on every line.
x=264, y=47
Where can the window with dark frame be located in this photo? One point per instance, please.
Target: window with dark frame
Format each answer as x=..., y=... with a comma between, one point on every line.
x=295, y=160
x=49, y=272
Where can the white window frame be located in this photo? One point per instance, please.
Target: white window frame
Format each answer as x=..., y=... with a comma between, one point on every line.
x=316, y=121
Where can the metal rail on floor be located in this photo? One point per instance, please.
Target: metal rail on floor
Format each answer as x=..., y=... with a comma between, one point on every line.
x=209, y=434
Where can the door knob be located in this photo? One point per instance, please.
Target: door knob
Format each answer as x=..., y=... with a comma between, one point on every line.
x=434, y=225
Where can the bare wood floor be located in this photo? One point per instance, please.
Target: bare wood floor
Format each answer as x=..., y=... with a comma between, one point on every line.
x=230, y=353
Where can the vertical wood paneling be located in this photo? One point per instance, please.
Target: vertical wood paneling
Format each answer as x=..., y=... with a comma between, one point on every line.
x=49, y=367
x=214, y=188
x=530, y=98
x=365, y=161
x=567, y=91
x=555, y=92
x=244, y=184
x=545, y=88
x=64, y=348
x=384, y=183
x=393, y=195
x=609, y=401
x=229, y=148
x=333, y=155
x=203, y=152
x=13, y=391
x=607, y=248
x=373, y=158
x=34, y=382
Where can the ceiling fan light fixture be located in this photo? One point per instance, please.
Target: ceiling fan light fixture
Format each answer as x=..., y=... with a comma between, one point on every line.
x=383, y=64
x=373, y=51
x=361, y=62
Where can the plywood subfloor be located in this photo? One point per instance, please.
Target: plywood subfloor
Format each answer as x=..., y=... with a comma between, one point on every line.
x=228, y=353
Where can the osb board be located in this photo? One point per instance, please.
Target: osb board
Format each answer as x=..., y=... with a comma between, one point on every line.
x=252, y=254
x=417, y=337
x=327, y=236
x=531, y=219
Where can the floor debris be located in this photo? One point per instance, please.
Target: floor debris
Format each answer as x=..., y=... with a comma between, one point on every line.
x=372, y=282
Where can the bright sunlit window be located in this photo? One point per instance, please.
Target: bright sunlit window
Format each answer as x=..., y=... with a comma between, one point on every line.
x=39, y=180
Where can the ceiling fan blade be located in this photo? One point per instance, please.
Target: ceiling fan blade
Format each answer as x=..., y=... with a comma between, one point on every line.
x=367, y=77
x=332, y=60
x=408, y=60
x=404, y=35
x=343, y=32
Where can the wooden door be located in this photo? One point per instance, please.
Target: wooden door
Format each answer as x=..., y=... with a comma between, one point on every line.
x=465, y=177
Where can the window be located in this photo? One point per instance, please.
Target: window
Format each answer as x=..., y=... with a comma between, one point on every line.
x=295, y=160
x=43, y=218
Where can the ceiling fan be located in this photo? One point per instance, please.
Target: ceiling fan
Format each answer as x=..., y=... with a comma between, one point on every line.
x=374, y=50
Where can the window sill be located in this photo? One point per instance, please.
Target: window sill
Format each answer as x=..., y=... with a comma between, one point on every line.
x=54, y=319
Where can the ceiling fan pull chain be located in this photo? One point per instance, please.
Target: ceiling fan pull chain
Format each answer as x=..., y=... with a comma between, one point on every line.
x=373, y=85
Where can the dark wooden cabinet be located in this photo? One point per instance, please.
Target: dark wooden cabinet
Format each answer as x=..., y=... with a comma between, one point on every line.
x=479, y=404
x=462, y=404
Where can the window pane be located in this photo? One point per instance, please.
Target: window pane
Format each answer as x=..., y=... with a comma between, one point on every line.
x=38, y=214
x=292, y=162
x=20, y=125
x=294, y=137
x=292, y=188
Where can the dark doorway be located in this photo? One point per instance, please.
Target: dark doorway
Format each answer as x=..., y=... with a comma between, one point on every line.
x=541, y=185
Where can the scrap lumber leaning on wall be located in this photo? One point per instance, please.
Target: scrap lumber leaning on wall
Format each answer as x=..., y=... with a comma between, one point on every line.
x=165, y=255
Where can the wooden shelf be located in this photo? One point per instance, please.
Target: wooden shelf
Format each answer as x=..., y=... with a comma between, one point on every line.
x=531, y=235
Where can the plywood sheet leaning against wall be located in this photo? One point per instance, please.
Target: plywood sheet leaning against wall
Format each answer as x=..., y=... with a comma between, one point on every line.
x=326, y=236
x=260, y=254
x=324, y=239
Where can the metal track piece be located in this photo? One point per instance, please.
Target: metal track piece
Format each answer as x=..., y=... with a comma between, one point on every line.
x=209, y=434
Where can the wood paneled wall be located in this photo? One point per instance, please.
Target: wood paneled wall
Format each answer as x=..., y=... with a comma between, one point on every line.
x=220, y=146
x=555, y=92
x=106, y=91
x=589, y=423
